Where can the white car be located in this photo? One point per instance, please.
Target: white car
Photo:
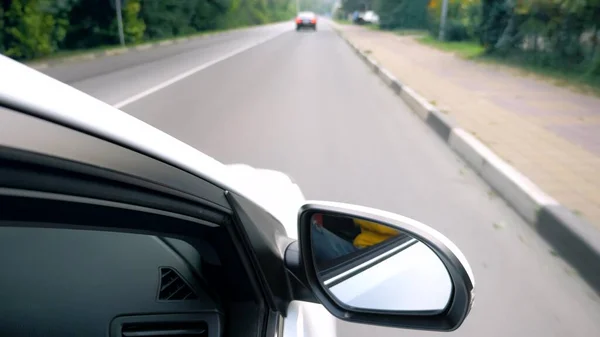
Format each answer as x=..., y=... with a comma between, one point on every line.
x=306, y=20
x=111, y=227
x=371, y=17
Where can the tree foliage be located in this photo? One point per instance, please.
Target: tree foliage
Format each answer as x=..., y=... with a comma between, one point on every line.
x=349, y=6
x=133, y=25
x=462, y=21
x=402, y=14
x=37, y=28
x=317, y=6
x=553, y=33
x=29, y=30
x=559, y=34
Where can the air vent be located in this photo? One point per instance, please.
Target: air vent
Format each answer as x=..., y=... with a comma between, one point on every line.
x=173, y=287
x=170, y=329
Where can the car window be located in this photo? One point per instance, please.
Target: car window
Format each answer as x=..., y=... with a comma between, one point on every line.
x=306, y=15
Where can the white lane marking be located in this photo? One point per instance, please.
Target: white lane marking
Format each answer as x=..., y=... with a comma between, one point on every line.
x=372, y=262
x=192, y=71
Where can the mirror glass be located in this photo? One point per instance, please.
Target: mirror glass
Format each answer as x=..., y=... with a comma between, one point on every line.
x=373, y=266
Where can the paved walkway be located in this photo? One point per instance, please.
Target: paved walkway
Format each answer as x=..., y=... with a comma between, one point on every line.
x=549, y=133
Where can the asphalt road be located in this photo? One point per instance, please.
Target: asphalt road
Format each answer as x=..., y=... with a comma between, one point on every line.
x=303, y=103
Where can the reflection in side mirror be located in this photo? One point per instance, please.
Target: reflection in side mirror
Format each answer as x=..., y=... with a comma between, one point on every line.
x=371, y=266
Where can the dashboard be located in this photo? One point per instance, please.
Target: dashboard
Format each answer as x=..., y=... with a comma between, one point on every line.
x=66, y=282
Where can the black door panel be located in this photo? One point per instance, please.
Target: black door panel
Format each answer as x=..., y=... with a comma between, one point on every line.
x=75, y=282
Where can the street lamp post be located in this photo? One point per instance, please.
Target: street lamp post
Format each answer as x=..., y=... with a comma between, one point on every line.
x=120, y=21
x=443, y=16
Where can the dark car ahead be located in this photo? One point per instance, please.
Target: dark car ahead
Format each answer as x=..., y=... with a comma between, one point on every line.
x=306, y=19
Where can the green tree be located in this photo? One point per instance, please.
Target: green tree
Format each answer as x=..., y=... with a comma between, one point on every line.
x=29, y=31
x=349, y=6
x=402, y=14
x=495, y=17
x=91, y=24
x=167, y=18
x=1, y=28
x=133, y=24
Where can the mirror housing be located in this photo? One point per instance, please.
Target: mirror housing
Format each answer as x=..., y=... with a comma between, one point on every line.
x=459, y=271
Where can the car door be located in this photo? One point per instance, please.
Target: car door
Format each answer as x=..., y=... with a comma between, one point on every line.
x=97, y=239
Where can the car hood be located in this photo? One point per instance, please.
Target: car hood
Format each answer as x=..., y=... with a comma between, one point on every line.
x=274, y=191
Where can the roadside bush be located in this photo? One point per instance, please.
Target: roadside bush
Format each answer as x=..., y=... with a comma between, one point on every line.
x=30, y=32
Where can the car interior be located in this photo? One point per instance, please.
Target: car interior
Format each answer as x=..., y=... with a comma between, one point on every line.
x=80, y=261
x=76, y=282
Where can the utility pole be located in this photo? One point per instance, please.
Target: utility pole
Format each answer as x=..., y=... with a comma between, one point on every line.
x=443, y=20
x=297, y=6
x=120, y=21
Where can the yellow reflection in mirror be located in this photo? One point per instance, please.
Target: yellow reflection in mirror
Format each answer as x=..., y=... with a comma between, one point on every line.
x=372, y=233
x=335, y=237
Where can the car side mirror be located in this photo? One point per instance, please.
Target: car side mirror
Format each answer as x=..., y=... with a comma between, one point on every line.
x=374, y=267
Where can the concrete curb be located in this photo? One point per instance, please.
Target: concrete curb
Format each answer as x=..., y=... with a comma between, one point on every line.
x=574, y=239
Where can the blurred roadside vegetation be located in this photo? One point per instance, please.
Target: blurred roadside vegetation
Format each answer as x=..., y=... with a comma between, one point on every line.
x=465, y=49
x=31, y=29
x=552, y=37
